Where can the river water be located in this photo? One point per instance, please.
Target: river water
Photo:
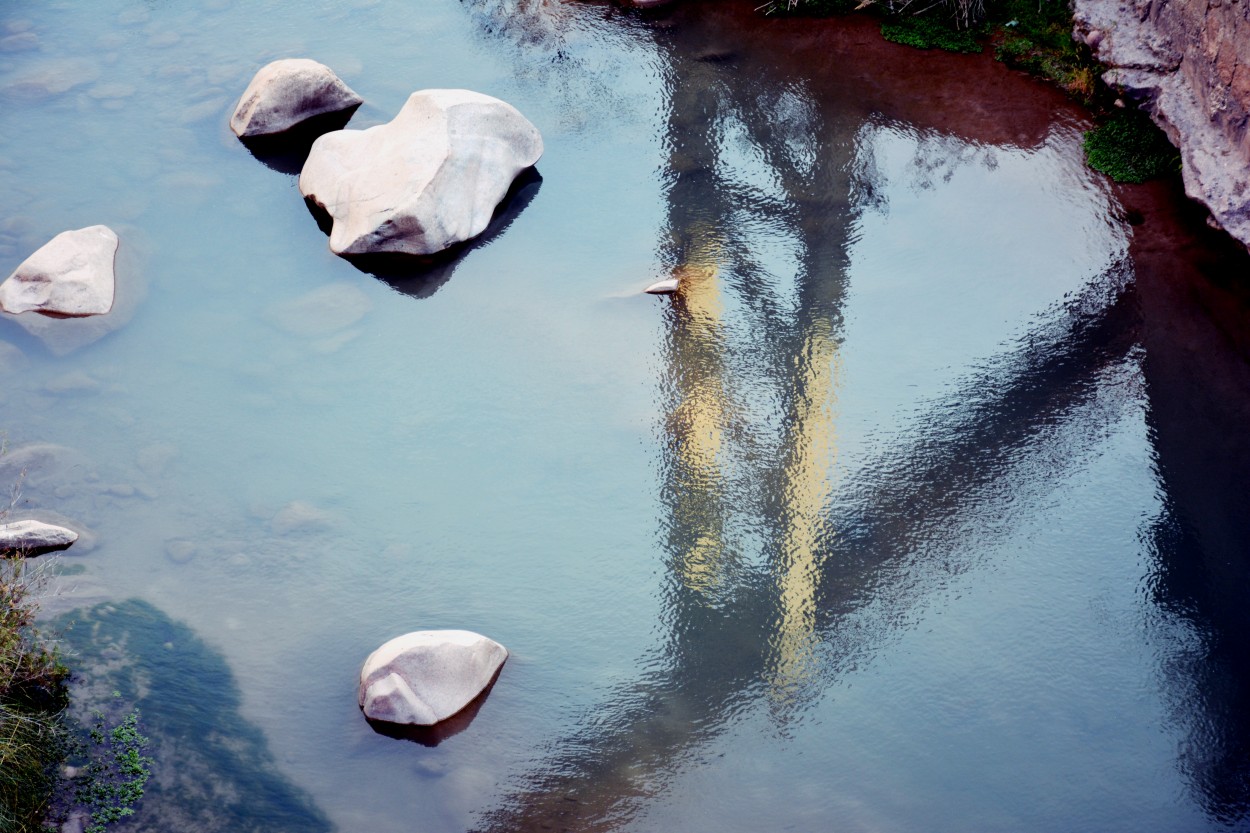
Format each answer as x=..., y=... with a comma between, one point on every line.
x=921, y=508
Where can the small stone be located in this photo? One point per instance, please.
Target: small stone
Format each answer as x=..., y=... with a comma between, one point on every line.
x=425, y=677
x=299, y=516
x=71, y=275
x=21, y=42
x=179, y=550
x=12, y=359
x=34, y=537
x=285, y=93
x=76, y=381
x=665, y=287
x=323, y=311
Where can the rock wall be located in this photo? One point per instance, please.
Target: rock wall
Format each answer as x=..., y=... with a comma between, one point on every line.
x=1187, y=63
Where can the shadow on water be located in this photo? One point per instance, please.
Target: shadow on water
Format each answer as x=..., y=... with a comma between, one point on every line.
x=779, y=628
x=286, y=152
x=1195, y=304
x=421, y=277
x=212, y=769
x=434, y=735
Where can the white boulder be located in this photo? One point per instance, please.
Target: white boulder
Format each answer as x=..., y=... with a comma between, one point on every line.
x=71, y=275
x=34, y=536
x=425, y=677
x=287, y=92
x=424, y=181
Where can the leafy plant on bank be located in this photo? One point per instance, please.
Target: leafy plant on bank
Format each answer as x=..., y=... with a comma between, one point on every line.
x=1129, y=147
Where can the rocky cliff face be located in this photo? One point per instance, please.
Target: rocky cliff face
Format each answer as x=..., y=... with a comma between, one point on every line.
x=1187, y=63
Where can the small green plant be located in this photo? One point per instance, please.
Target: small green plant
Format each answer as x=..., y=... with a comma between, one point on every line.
x=117, y=773
x=930, y=32
x=1128, y=147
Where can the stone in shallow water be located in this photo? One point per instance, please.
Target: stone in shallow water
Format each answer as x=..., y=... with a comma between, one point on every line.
x=34, y=537
x=287, y=92
x=425, y=677
x=71, y=275
x=426, y=180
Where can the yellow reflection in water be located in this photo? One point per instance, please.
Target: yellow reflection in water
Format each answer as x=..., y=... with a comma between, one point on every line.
x=701, y=417
x=808, y=485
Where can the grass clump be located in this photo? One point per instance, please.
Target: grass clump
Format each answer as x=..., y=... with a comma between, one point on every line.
x=1036, y=36
x=1129, y=147
x=930, y=32
x=33, y=737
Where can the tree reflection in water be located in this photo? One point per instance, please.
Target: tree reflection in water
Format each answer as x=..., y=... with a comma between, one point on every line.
x=780, y=581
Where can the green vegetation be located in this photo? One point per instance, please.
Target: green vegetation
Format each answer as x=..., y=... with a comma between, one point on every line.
x=930, y=32
x=117, y=772
x=1128, y=147
x=33, y=738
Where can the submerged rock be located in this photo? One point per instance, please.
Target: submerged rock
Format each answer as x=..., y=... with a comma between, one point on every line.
x=423, y=182
x=32, y=537
x=71, y=275
x=286, y=93
x=424, y=677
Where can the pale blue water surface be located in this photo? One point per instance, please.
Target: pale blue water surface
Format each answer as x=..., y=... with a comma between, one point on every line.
x=919, y=509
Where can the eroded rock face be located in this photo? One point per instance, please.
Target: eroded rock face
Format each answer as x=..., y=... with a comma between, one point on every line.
x=1187, y=63
x=33, y=537
x=426, y=180
x=424, y=677
x=287, y=93
x=70, y=275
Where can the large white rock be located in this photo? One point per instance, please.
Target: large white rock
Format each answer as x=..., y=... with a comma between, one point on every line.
x=424, y=181
x=287, y=92
x=70, y=275
x=34, y=536
x=424, y=677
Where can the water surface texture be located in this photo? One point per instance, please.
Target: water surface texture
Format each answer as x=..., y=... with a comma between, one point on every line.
x=921, y=507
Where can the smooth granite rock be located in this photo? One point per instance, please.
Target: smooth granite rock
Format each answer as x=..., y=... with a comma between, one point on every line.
x=425, y=677
x=71, y=275
x=34, y=537
x=426, y=180
x=287, y=93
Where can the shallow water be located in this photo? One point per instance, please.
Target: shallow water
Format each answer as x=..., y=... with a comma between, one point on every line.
x=921, y=508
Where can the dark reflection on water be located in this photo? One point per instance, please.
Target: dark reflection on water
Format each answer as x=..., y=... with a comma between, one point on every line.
x=750, y=396
x=1194, y=302
x=287, y=152
x=212, y=769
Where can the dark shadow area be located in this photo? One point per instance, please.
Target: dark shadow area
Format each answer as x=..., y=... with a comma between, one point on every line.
x=434, y=735
x=1194, y=288
x=213, y=770
x=421, y=277
x=286, y=152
